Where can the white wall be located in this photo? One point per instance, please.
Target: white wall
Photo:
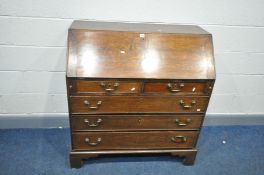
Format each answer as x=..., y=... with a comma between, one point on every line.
x=33, y=37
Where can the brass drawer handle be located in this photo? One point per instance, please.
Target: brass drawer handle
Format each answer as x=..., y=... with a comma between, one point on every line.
x=175, y=87
x=109, y=87
x=87, y=140
x=92, y=107
x=187, y=106
x=93, y=124
x=183, y=123
x=179, y=139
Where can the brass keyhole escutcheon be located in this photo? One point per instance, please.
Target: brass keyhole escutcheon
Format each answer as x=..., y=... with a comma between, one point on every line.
x=140, y=121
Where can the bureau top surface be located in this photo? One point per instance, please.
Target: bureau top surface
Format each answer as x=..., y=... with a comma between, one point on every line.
x=137, y=50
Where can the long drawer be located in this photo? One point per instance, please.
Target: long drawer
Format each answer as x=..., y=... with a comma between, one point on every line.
x=133, y=140
x=135, y=122
x=138, y=104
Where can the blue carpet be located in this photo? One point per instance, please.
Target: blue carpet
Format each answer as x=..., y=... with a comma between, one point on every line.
x=45, y=151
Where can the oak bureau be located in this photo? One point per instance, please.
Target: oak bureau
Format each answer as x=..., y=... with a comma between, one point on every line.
x=137, y=88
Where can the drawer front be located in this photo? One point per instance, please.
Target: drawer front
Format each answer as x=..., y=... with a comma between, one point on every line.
x=175, y=88
x=135, y=104
x=133, y=140
x=105, y=87
x=135, y=122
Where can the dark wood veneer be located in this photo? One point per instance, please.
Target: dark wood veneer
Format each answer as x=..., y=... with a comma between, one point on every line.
x=138, y=104
x=135, y=122
x=137, y=88
x=134, y=140
x=106, y=87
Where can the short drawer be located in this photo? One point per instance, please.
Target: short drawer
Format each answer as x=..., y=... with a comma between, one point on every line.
x=105, y=87
x=175, y=88
x=138, y=104
x=133, y=140
x=135, y=122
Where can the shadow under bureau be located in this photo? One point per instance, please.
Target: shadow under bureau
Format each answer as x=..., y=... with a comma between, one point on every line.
x=137, y=88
